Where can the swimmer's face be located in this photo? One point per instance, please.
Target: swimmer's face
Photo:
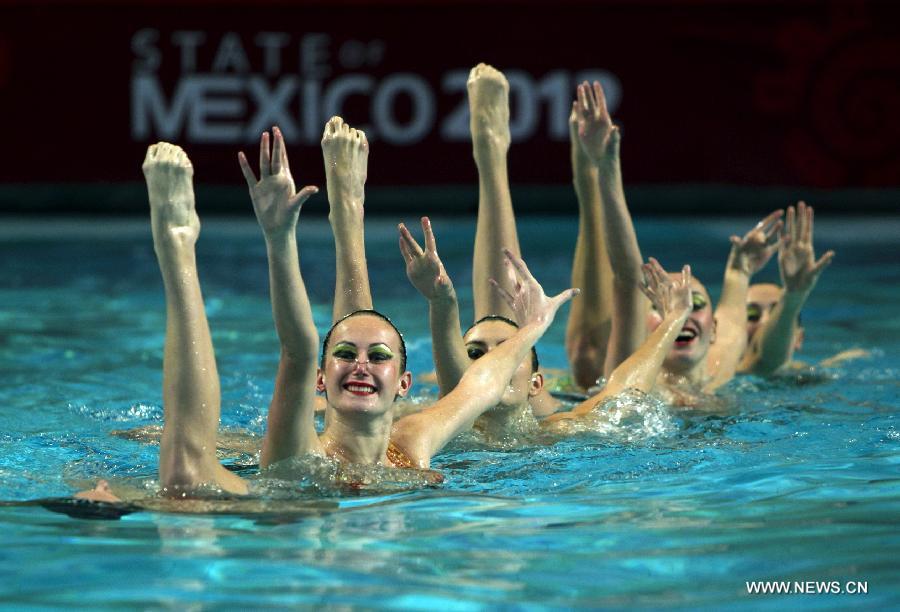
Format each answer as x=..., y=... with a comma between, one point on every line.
x=698, y=332
x=362, y=366
x=761, y=300
x=485, y=337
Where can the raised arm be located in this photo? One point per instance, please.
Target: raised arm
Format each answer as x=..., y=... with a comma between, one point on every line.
x=426, y=273
x=423, y=434
x=748, y=255
x=290, y=428
x=773, y=346
x=346, y=154
x=600, y=141
x=672, y=299
x=590, y=318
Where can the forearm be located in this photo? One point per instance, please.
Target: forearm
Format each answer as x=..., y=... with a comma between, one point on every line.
x=641, y=369
x=629, y=324
x=449, y=352
x=773, y=345
x=290, y=425
x=628, y=327
x=590, y=267
x=588, y=326
x=479, y=389
x=731, y=326
x=290, y=304
x=621, y=239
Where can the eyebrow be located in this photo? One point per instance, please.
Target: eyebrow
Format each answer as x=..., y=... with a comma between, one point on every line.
x=371, y=346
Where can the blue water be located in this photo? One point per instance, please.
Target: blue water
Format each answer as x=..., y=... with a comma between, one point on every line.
x=800, y=482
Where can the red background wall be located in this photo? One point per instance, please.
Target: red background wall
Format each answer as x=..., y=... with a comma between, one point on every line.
x=744, y=93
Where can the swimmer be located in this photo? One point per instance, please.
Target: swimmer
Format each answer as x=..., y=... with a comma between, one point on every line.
x=363, y=364
x=708, y=350
x=773, y=314
x=513, y=415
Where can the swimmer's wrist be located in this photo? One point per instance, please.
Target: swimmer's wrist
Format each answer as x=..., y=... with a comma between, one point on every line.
x=447, y=299
x=281, y=238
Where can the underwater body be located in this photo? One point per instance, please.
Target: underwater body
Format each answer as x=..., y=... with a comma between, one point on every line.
x=796, y=479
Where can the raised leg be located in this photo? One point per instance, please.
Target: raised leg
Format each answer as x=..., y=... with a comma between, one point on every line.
x=187, y=456
x=346, y=153
x=496, y=227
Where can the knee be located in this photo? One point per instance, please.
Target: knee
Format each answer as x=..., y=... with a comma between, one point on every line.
x=586, y=361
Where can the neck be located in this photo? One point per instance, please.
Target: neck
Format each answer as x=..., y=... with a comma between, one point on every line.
x=691, y=374
x=357, y=438
x=502, y=421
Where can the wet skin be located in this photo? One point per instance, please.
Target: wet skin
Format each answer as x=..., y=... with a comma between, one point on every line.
x=362, y=367
x=486, y=336
x=698, y=332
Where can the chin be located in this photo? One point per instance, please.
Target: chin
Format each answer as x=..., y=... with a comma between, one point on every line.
x=363, y=405
x=683, y=359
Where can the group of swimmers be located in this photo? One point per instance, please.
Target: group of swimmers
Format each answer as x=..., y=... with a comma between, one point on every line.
x=632, y=325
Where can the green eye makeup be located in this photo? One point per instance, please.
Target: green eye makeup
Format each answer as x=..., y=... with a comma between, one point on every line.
x=344, y=352
x=698, y=301
x=347, y=353
x=380, y=354
x=754, y=313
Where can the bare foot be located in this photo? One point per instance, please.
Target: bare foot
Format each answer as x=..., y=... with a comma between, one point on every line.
x=169, y=175
x=101, y=492
x=488, y=110
x=346, y=153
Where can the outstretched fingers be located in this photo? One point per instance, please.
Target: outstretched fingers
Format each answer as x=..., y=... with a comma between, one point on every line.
x=600, y=98
x=508, y=297
x=246, y=170
x=265, y=159
x=409, y=248
x=430, y=242
x=808, y=225
x=790, y=225
x=519, y=266
x=564, y=296
x=278, y=153
x=823, y=263
x=302, y=196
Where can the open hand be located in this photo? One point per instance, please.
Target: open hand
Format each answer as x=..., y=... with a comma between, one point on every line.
x=667, y=295
x=752, y=252
x=796, y=257
x=423, y=267
x=596, y=132
x=276, y=201
x=527, y=298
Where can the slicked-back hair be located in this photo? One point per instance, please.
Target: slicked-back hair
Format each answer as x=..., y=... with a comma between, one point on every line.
x=535, y=364
x=370, y=312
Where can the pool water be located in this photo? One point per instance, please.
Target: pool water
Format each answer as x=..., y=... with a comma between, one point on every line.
x=800, y=482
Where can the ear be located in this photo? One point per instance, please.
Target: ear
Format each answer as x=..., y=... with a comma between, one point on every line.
x=712, y=336
x=536, y=384
x=405, y=384
x=320, y=380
